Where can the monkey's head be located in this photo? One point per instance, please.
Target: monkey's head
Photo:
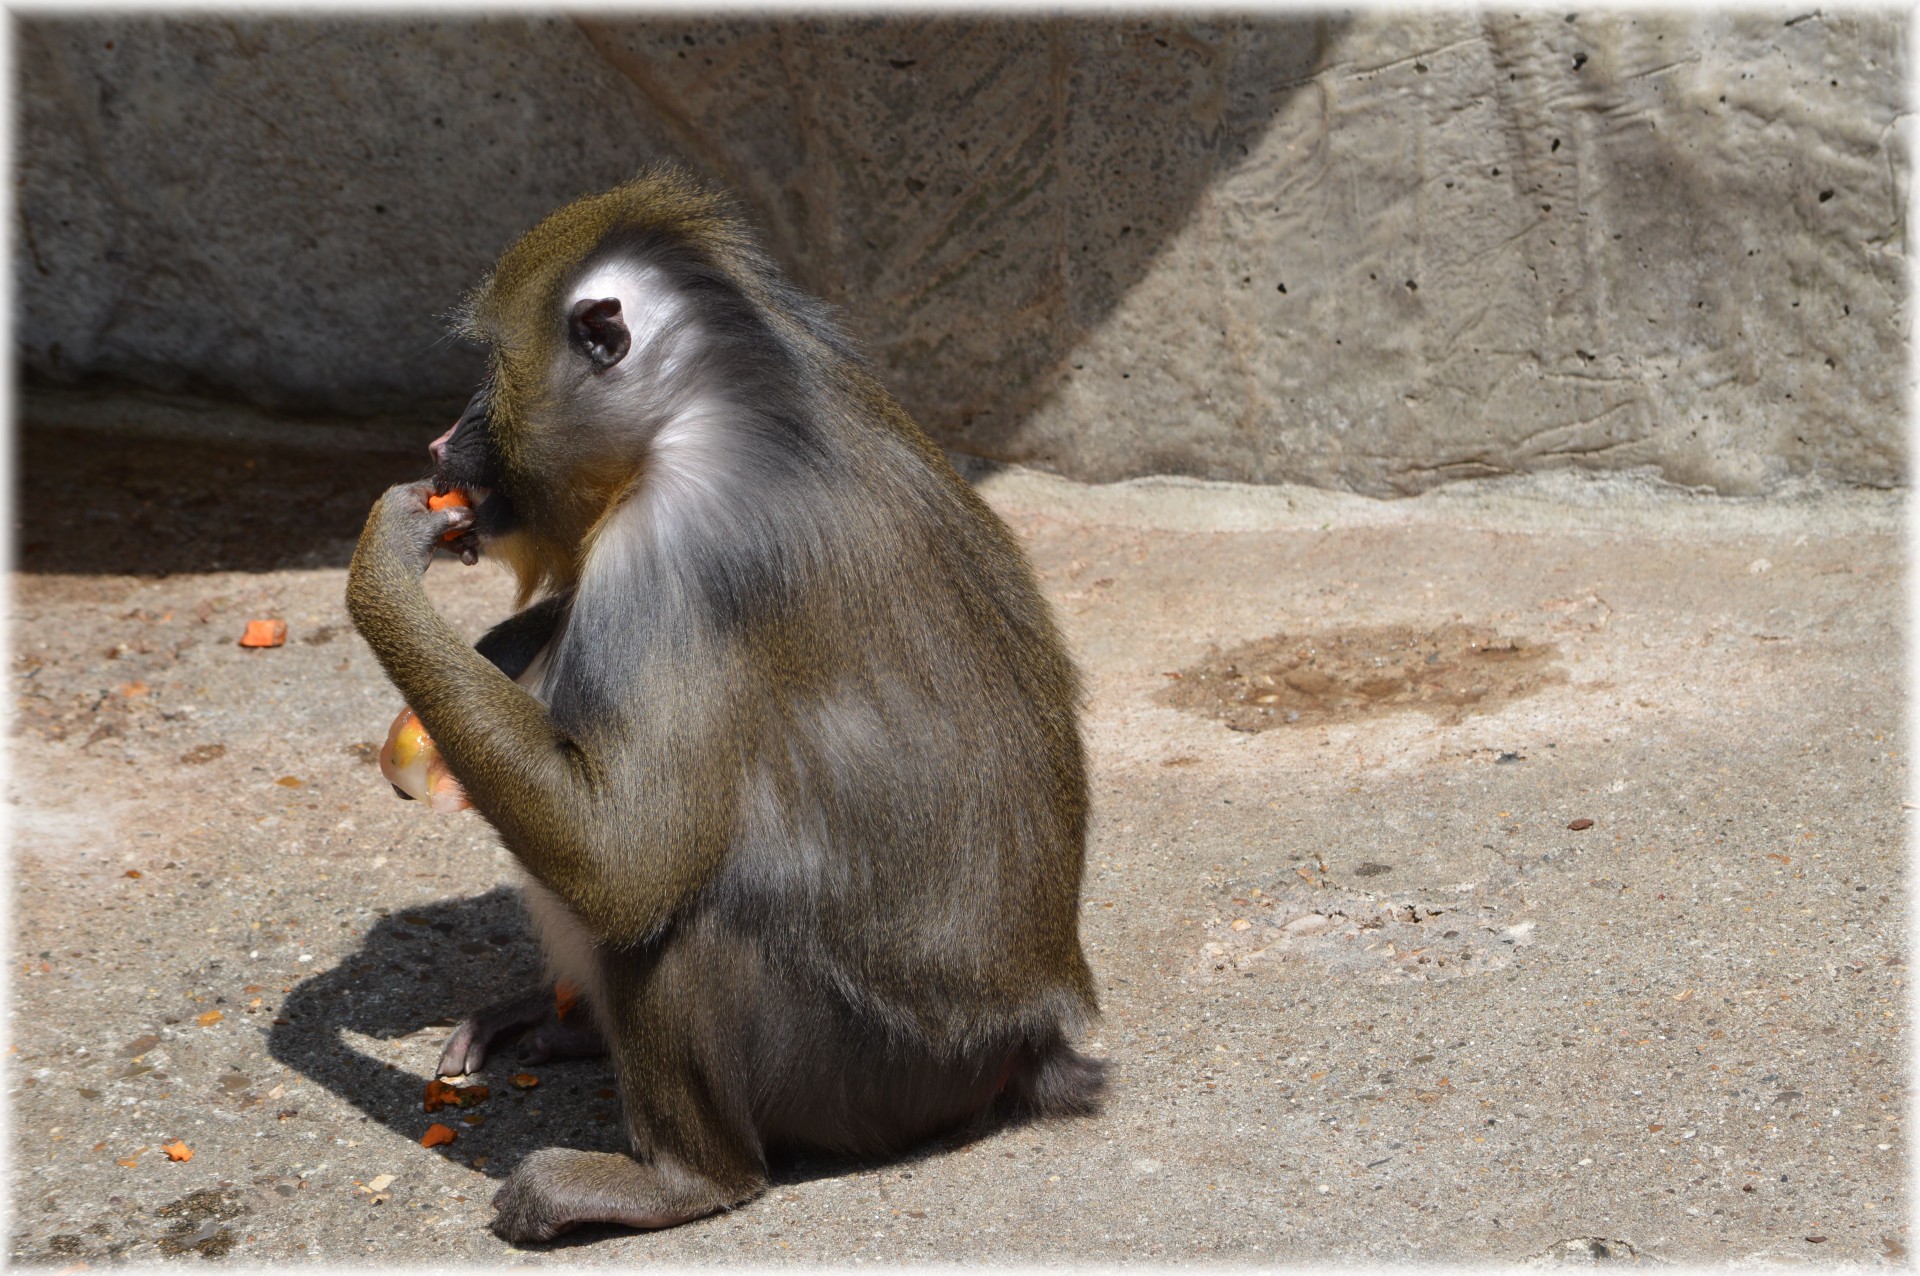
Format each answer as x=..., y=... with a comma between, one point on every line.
x=611, y=326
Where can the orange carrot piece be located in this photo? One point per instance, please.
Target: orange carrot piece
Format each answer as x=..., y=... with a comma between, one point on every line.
x=264, y=633
x=453, y=498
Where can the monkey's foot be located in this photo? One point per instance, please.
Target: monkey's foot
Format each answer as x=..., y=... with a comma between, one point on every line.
x=575, y=1039
x=558, y=1188
x=550, y=1038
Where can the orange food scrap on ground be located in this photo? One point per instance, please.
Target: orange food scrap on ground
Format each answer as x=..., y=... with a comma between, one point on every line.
x=177, y=1151
x=436, y=1135
x=133, y=872
x=134, y=690
x=442, y=1095
x=565, y=996
x=264, y=633
x=525, y=1080
x=130, y=1161
x=289, y=781
x=209, y=1019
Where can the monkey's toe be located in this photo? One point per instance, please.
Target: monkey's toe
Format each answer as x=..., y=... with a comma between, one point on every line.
x=467, y=1049
x=464, y=1052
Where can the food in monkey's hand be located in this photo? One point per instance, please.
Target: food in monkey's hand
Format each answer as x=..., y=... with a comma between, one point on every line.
x=452, y=498
x=415, y=769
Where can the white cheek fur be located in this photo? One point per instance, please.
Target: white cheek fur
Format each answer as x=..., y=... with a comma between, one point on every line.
x=650, y=309
x=686, y=421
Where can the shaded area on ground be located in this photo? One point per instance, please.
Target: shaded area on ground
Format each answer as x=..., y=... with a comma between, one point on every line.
x=89, y=501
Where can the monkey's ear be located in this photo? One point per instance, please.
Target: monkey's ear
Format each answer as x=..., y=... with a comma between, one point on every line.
x=596, y=330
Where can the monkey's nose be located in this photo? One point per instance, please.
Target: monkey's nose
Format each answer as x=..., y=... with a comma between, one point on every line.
x=438, y=448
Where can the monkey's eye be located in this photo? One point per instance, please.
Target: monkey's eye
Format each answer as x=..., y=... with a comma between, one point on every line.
x=596, y=329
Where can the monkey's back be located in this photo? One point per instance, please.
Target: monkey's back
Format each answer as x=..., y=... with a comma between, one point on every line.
x=814, y=653
x=912, y=819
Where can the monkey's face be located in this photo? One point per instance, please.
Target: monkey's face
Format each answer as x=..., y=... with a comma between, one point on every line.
x=572, y=408
x=601, y=327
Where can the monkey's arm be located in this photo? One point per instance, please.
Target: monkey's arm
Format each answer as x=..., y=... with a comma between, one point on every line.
x=549, y=795
x=513, y=643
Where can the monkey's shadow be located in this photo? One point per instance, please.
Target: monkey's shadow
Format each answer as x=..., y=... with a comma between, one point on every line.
x=422, y=968
x=425, y=967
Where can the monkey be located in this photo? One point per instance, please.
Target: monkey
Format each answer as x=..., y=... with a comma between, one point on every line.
x=788, y=747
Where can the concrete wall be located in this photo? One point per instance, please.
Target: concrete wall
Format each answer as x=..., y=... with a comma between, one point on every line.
x=1373, y=252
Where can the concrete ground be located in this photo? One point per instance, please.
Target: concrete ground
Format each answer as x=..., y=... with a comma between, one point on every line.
x=1375, y=989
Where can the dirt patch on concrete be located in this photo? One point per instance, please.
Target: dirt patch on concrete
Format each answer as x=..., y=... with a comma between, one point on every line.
x=1341, y=675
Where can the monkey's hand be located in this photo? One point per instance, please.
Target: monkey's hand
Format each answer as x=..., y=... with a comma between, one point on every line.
x=465, y=544
x=403, y=530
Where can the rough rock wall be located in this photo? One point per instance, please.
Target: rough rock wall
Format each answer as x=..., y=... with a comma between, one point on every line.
x=1374, y=252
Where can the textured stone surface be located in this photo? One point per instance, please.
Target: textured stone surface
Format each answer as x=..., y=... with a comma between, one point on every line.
x=1506, y=243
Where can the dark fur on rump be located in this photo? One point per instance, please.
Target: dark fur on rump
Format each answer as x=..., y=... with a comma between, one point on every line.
x=796, y=772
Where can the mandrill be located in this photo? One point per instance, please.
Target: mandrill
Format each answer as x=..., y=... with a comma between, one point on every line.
x=787, y=746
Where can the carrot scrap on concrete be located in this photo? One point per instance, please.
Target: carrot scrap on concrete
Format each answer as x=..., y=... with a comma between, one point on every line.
x=209, y=1019
x=264, y=633
x=442, y=1095
x=525, y=1080
x=436, y=1135
x=177, y=1151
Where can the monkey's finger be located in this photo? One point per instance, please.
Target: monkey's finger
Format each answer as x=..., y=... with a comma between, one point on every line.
x=465, y=545
x=454, y=520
